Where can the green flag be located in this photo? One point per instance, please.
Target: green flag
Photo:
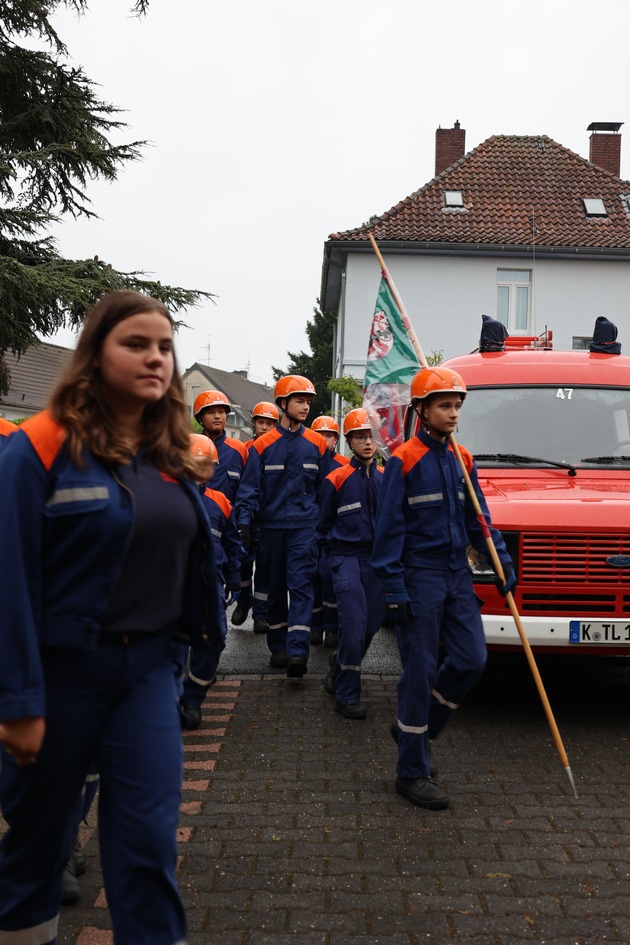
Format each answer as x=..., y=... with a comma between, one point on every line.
x=391, y=365
x=391, y=358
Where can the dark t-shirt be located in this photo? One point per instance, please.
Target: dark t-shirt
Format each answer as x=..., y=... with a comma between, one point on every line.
x=149, y=592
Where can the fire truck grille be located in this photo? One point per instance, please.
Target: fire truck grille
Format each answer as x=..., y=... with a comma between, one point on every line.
x=576, y=569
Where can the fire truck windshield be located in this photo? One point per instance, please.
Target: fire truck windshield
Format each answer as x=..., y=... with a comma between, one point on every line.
x=563, y=425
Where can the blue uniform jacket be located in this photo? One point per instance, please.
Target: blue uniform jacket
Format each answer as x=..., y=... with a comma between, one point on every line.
x=425, y=517
x=347, y=508
x=282, y=479
x=229, y=470
x=227, y=541
x=64, y=534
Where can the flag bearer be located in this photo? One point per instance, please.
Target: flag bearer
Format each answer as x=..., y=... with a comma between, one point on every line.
x=325, y=625
x=348, y=504
x=424, y=525
x=204, y=661
x=279, y=490
x=211, y=409
x=264, y=418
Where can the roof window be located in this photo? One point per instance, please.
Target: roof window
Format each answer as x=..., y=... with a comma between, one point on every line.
x=453, y=198
x=594, y=207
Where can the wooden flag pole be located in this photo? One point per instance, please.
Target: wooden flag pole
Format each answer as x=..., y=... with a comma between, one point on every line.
x=496, y=563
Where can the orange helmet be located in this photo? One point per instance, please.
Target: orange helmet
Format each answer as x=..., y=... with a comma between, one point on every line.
x=210, y=398
x=437, y=380
x=203, y=447
x=293, y=384
x=356, y=420
x=266, y=410
x=325, y=425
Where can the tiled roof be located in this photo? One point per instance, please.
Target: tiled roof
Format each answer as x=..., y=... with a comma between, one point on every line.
x=504, y=182
x=237, y=388
x=34, y=375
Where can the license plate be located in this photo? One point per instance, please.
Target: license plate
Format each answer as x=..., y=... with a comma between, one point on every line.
x=598, y=631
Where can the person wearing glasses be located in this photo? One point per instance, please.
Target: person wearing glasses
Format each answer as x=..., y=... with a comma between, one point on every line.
x=345, y=530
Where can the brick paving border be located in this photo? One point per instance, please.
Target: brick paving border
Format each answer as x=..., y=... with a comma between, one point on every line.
x=291, y=831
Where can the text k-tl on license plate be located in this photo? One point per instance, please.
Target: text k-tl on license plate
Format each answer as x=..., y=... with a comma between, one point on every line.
x=598, y=631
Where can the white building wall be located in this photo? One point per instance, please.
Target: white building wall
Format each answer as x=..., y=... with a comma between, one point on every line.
x=445, y=298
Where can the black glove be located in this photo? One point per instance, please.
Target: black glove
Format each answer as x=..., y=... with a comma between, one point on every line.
x=246, y=536
x=507, y=586
x=233, y=587
x=398, y=610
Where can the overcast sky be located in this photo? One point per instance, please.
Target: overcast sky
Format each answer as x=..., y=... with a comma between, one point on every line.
x=275, y=124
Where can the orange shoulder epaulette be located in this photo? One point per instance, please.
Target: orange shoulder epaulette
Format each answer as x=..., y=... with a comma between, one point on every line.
x=317, y=439
x=46, y=436
x=224, y=503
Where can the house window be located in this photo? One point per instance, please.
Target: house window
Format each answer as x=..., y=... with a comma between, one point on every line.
x=594, y=207
x=514, y=299
x=453, y=198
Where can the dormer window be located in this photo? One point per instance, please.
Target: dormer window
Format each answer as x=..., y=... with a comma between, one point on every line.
x=594, y=207
x=453, y=198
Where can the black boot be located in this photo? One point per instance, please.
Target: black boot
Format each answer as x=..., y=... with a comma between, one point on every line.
x=241, y=611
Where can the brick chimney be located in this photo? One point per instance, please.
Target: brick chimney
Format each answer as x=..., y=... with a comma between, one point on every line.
x=605, y=145
x=449, y=146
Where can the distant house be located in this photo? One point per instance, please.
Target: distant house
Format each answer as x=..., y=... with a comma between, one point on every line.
x=242, y=394
x=520, y=228
x=33, y=376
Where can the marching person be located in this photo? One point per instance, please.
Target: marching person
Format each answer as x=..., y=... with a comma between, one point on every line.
x=279, y=491
x=264, y=418
x=106, y=558
x=325, y=623
x=211, y=410
x=348, y=503
x=203, y=661
x=424, y=524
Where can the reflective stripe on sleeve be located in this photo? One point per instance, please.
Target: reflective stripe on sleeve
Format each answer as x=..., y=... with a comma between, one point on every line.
x=349, y=508
x=310, y=465
x=274, y=468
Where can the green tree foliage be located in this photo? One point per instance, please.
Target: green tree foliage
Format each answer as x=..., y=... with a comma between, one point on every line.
x=53, y=141
x=317, y=366
x=349, y=389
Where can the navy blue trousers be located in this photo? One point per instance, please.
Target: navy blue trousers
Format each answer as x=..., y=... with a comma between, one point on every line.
x=360, y=607
x=325, y=616
x=447, y=610
x=203, y=662
x=291, y=564
x=114, y=707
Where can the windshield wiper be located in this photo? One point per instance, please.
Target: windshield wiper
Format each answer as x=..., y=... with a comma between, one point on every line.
x=517, y=458
x=606, y=459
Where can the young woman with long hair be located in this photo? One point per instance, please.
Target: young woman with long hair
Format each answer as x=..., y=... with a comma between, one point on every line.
x=105, y=562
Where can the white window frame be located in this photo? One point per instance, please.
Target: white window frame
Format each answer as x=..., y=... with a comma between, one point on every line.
x=509, y=279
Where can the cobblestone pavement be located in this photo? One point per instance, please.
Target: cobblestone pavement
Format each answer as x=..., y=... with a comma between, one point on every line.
x=291, y=831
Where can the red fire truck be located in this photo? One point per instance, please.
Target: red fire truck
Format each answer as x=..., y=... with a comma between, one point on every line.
x=550, y=433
